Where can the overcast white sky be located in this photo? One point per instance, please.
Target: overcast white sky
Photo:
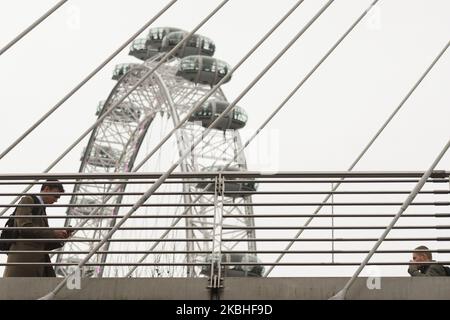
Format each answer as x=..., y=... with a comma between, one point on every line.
x=324, y=127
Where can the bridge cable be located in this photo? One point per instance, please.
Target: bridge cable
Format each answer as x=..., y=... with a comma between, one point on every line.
x=85, y=80
x=214, y=89
x=366, y=148
x=31, y=27
x=277, y=110
x=161, y=180
x=343, y=293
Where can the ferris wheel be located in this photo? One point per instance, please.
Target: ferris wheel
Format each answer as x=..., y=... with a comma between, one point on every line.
x=128, y=133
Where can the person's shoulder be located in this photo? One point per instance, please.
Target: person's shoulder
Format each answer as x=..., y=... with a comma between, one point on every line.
x=28, y=199
x=438, y=268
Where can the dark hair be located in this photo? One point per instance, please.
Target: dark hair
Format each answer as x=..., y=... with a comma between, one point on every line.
x=423, y=250
x=53, y=184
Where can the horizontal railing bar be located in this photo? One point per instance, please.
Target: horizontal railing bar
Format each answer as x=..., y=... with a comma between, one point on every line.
x=106, y=228
x=334, y=239
x=336, y=215
x=339, y=215
x=235, y=228
x=259, y=204
x=299, y=204
x=227, y=252
x=125, y=264
x=329, y=227
x=227, y=240
x=411, y=215
x=98, y=240
x=110, y=216
x=107, y=252
x=62, y=194
x=387, y=192
x=327, y=263
x=203, y=181
x=97, y=182
x=249, y=174
x=328, y=181
x=105, y=205
x=328, y=251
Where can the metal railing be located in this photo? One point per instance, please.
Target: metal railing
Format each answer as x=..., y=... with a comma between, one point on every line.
x=341, y=234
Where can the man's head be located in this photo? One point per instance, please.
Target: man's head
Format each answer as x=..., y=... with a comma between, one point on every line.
x=422, y=254
x=51, y=186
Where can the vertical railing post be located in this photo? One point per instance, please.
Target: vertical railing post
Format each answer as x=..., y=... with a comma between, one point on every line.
x=216, y=250
x=332, y=223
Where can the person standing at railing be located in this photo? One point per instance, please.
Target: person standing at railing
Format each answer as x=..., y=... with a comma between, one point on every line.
x=29, y=222
x=423, y=254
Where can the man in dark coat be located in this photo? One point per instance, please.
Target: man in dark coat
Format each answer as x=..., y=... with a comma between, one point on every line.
x=51, y=186
x=423, y=254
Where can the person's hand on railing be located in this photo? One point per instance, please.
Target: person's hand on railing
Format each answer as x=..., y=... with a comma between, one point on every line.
x=62, y=234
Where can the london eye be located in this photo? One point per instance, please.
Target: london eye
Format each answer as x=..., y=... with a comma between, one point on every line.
x=127, y=134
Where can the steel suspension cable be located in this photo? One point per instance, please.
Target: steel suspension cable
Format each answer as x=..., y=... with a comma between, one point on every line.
x=85, y=80
x=416, y=85
x=31, y=27
x=161, y=180
x=113, y=106
x=211, y=92
x=237, y=153
x=271, y=117
x=342, y=293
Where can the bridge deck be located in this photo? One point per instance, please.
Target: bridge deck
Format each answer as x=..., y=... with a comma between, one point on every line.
x=234, y=288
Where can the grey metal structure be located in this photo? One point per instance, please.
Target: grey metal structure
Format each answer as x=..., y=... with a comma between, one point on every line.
x=160, y=101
